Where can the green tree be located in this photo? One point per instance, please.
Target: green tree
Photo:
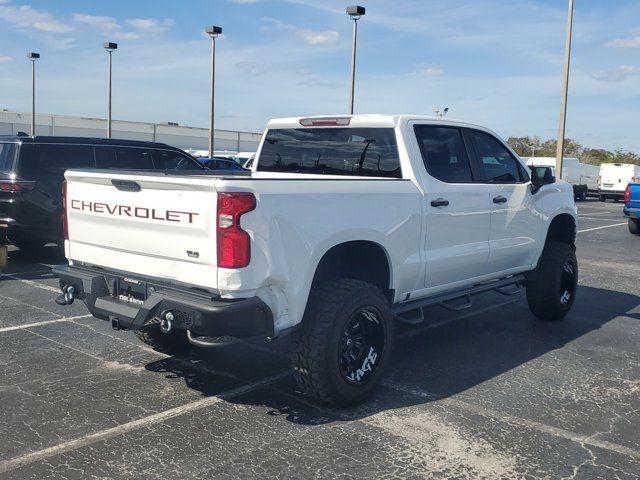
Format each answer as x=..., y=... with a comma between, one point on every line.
x=525, y=146
x=596, y=156
x=625, y=156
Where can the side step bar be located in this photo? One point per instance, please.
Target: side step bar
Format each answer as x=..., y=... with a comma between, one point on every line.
x=411, y=311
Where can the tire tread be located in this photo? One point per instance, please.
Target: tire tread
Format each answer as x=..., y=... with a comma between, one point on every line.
x=314, y=335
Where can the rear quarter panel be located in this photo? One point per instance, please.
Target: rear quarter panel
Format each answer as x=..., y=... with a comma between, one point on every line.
x=298, y=220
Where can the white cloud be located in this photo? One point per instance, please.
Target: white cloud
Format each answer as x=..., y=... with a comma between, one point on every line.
x=53, y=27
x=102, y=22
x=25, y=16
x=110, y=26
x=120, y=35
x=617, y=74
x=312, y=37
x=633, y=42
x=316, y=37
x=432, y=71
x=5, y=58
x=149, y=24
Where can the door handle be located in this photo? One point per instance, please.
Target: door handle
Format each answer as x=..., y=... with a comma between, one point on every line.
x=439, y=202
x=499, y=199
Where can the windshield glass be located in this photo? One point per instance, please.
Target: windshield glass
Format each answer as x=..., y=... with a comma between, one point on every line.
x=7, y=155
x=331, y=151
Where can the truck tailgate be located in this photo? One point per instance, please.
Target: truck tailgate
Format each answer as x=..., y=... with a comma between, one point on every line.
x=151, y=224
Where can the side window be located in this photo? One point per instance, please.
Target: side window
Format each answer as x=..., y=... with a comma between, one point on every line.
x=444, y=154
x=170, y=160
x=123, y=158
x=498, y=163
x=51, y=161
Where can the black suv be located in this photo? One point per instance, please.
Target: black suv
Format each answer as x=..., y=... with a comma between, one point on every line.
x=32, y=170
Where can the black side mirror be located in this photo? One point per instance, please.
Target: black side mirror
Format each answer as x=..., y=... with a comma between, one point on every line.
x=541, y=176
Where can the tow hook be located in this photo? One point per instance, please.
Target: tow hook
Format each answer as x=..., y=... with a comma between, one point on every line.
x=166, y=322
x=68, y=295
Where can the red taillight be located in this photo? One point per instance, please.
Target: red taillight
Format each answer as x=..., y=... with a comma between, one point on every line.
x=65, y=223
x=234, y=246
x=627, y=193
x=15, y=186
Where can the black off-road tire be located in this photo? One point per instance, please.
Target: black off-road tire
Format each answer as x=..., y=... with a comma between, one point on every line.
x=174, y=343
x=552, y=286
x=319, y=364
x=634, y=226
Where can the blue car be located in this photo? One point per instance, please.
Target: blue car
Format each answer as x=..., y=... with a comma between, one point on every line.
x=632, y=207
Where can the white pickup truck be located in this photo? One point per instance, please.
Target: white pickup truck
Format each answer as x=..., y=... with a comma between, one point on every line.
x=344, y=225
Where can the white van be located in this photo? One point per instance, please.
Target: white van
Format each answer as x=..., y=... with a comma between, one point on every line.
x=581, y=176
x=589, y=176
x=614, y=178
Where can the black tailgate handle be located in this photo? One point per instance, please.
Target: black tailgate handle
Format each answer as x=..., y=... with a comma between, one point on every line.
x=126, y=185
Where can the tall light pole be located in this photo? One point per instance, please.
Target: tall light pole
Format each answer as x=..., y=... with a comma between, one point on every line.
x=109, y=47
x=33, y=56
x=355, y=13
x=565, y=90
x=213, y=32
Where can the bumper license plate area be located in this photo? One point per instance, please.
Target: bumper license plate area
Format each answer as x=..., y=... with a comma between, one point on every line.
x=132, y=290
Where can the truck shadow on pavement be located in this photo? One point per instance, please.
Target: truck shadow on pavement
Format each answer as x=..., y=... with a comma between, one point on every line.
x=432, y=364
x=20, y=261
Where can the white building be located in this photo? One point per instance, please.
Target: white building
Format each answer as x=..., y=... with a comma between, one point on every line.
x=170, y=133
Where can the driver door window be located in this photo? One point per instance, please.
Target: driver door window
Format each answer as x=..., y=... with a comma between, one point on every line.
x=498, y=164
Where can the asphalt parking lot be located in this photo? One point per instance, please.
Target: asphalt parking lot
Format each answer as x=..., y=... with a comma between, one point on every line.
x=484, y=393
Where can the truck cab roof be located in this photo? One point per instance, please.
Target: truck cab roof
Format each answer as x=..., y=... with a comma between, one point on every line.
x=365, y=121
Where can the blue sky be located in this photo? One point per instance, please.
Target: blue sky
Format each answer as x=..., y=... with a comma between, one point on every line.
x=493, y=62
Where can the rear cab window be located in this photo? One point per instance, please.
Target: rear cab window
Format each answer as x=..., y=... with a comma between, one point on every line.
x=371, y=152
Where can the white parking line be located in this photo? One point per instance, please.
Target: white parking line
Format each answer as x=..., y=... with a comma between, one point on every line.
x=32, y=283
x=595, y=213
x=515, y=420
x=165, y=415
x=38, y=324
x=599, y=228
x=602, y=219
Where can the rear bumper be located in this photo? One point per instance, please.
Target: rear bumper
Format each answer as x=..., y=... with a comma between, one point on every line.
x=611, y=193
x=197, y=311
x=631, y=212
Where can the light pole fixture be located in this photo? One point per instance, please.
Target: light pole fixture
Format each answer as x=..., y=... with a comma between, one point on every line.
x=213, y=32
x=565, y=91
x=33, y=56
x=109, y=47
x=355, y=12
